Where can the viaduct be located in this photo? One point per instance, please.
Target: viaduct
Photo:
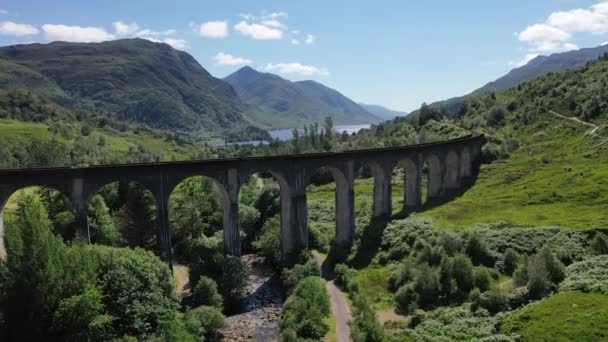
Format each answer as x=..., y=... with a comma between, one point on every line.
x=448, y=163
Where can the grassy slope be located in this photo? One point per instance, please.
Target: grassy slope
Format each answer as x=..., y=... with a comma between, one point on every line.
x=556, y=177
x=567, y=316
x=118, y=142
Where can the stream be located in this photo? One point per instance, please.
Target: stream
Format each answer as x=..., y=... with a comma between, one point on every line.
x=261, y=309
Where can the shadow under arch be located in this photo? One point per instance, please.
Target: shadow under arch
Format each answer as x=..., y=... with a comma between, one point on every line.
x=60, y=209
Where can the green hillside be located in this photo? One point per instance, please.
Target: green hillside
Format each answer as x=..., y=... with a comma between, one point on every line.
x=132, y=80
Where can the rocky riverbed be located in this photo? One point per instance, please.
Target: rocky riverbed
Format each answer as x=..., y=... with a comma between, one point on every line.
x=261, y=311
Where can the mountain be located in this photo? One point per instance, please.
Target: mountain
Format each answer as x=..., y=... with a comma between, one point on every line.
x=535, y=68
x=285, y=104
x=132, y=80
x=542, y=65
x=382, y=112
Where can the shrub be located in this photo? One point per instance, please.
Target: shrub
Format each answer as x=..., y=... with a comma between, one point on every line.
x=493, y=301
x=406, y=298
x=587, y=276
x=204, y=321
x=509, y=261
x=400, y=236
x=205, y=293
x=291, y=277
x=462, y=270
x=234, y=279
x=482, y=279
x=599, y=244
x=426, y=286
x=345, y=277
x=478, y=251
x=269, y=242
x=404, y=273
x=496, y=117
x=306, y=308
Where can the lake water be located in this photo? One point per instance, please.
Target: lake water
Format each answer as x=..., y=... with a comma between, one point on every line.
x=287, y=134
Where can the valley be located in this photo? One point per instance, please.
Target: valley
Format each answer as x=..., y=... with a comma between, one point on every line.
x=479, y=218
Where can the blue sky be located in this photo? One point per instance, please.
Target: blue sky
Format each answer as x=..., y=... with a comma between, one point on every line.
x=395, y=53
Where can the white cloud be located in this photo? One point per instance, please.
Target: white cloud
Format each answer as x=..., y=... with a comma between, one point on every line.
x=227, y=59
x=179, y=44
x=296, y=68
x=75, y=33
x=258, y=31
x=214, y=29
x=9, y=28
x=556, y=32
x=263, y=26
x=310, y=39
x=124, y=29
x=3, y=12
x=295, y=41
x=273, y=23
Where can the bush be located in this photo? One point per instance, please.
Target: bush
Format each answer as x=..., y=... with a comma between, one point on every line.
x=269, y=242
x=205, y=293
x=204, y=320
x=426, y=286
x=478, y=251
x=305, y=309
x=496, y=117
x=599, y=244
x=406, y=298
x=404, y=273
x=400, y=236
x=234, y=279
x=493, y=301
x=509, y=261
x=587, y=276
x=291, y=277
x=482, y=278
x=462, y=271
x=345, y=278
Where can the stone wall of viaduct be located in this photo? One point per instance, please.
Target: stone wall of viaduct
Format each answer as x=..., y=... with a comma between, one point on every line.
x=448, y=163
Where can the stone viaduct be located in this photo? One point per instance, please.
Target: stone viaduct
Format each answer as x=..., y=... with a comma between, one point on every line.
x=448, y=163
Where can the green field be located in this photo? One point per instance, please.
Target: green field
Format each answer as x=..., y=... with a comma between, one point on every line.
x=568, y=316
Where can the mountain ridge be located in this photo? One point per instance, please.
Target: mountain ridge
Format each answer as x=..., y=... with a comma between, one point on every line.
x=134, y=80
x=287, y=104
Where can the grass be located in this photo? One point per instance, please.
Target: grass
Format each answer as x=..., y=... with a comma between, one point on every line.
x=373, y=285
x=117, y=142
x=567, y=316
x=331, y=323
x=556, y=177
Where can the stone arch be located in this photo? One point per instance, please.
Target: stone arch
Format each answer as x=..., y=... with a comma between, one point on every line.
x=435, y=175
x=452, y=170
x=344, y=201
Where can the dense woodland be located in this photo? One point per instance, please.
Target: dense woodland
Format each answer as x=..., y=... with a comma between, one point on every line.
x=449, y=277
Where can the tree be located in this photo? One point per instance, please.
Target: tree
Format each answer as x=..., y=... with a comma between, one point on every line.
x=478, y=251
x=136, y=220
x=496, y=117
x=599, y=244
x=306, y=308
x=482, y=278
x=205, y=293
x=462, y=271
x=269, y=242
x=101, y=225
x=509, y=261
x=445, y=277
x=426, y=286
x=82, y=317
x=234, y=280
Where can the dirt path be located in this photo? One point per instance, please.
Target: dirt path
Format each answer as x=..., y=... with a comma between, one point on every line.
x=593, y=129
x=339, y=307
x=180, y=276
